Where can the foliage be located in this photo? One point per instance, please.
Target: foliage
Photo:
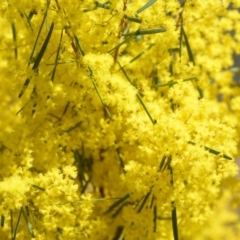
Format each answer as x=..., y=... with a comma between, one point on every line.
x=119, y=119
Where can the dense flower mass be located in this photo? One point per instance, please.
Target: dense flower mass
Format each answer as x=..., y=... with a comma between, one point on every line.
x=119, y=119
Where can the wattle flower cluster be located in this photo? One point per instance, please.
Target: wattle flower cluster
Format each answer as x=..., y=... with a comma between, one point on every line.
x=119, y=119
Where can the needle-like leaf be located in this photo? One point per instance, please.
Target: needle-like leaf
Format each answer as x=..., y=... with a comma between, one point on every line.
x=189, y=50
x=167, y=165
x=121, y=160
x=11, y=223
x=117, y=203
x=98, y=93
x=65, y=109
x=102, y=5
x=57, y=56
x=174, y=210
x=121, y=43
x=155, y=218
x=172, y=82
x=174, y=223
x=14, y=32
x=38, y=60
x=141, y=53
x=79, y=46
x=145, y=6
x=138, y=95
x=133, y=19
x=17, y=224
x=78, y=124
x=162, y=163
x=2, y=220
x=39, y=32
x=144, y=201
x=80, y=163
x=180, y=42
x=118, y=233
x=154, y=121
x=213, y=151
x=29, y=225
x=39, y=188
x=146, y=32
x=43, y=49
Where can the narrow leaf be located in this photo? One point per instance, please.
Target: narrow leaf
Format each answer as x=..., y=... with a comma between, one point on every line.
x=84, y=187
x=154, y=121
x=118, y=211
x=27, y=211
x=65, y=109
x=39, y=32
x=174, y=210
x=155, y=219
x=213, y=151
x=2, y=220
x=118, y=233
x=172, y=82
x=138, y=96
x=65, y=62
x=133, y=19
x=31, y=14
x=43, y=49
x=125, y=74
x=180, y=42
x=169, y=83
x=79, y=46
x=96, y=89
x=57, y=56
x=14, y=33
x=146, y=32
x=141, y=53
x=167, y=165
x=73, y=127
x=145, y=6
x=144, y=201
x=99, y=5
x=58, y=118
x=121, y=43
x=27, y=81
x=80, y=162
x=102, y=5
x=217, y=153
x=29, y=225
x=39, y=188
x=174, y=223
x=17, y=224
x=121, y=160
x=171, y=68
x=138, y=202
x=152, y=201
x=38, y=59
x=155, y=78
x=162, y=163
x=117, y=203
x=11, y=222
x=190, y=54
x=136, y=57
